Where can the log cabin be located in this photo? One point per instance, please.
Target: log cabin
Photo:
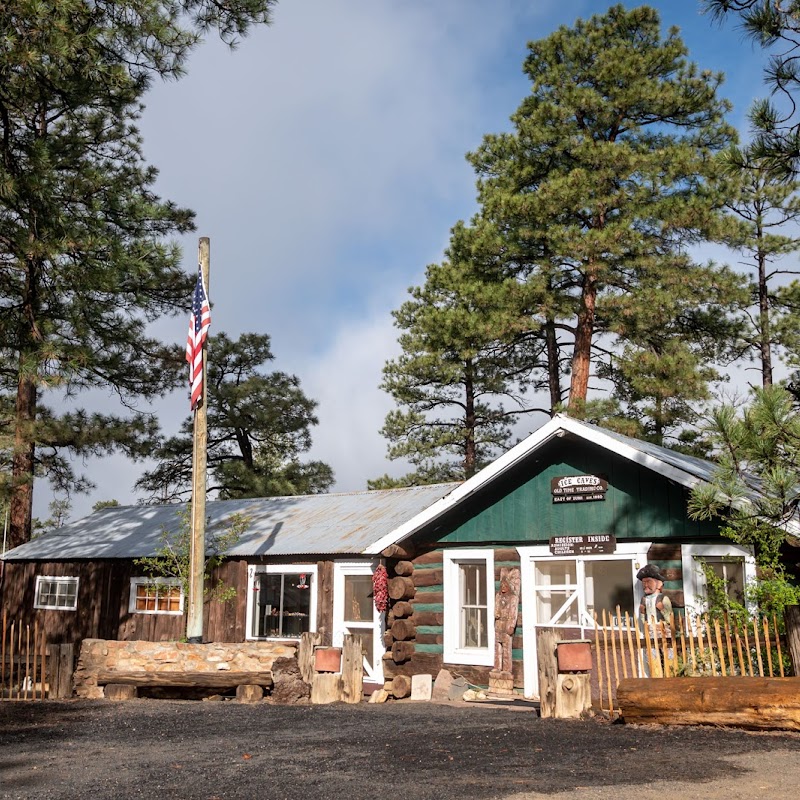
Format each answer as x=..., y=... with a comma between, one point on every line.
x=577, y=510
x=573, y=511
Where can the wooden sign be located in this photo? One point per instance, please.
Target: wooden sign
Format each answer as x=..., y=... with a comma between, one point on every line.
x=591, y=544
x=578, y=488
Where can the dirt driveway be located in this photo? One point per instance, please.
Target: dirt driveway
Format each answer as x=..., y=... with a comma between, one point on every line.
x=181, y=749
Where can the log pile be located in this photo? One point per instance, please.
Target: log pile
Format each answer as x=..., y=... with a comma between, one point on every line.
x=401, y=625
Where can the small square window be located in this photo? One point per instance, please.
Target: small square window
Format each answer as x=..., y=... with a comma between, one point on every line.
x=156, y=596
x=59, y=594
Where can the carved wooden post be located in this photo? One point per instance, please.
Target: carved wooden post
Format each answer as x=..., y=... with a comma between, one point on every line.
x=506, y=605
x=548, y=672
x=352, y=670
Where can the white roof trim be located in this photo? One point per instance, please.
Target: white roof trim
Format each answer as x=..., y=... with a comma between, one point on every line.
x=557, y=426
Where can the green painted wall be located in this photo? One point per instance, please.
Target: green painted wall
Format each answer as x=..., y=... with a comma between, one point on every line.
x=639, y=503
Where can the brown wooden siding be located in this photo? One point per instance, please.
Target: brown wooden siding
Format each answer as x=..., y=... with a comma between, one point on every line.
x=103, y=598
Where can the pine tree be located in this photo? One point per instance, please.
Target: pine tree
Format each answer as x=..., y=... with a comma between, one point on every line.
x=755, y=489
x=773, y=25
x=84, y=262
x=258, y=426
x=766, y=206
x=608, y=176
x=467, y=349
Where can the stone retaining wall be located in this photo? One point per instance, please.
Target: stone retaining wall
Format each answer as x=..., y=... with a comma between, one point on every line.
x=102, y=654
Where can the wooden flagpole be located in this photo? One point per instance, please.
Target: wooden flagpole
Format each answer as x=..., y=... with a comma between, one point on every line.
x=194, y=624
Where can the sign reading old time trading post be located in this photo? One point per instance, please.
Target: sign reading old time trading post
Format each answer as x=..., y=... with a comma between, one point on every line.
x=578, y=488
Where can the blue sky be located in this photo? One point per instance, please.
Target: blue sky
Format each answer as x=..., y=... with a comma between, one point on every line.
x=325, y=160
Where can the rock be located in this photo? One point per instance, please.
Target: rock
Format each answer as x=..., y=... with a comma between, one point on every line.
x=288, y=688
x=442, y=684
x=457, y=688
x=379, y=696
x=421, y=687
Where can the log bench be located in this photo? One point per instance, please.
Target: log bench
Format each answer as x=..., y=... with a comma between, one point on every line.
x=124, y=685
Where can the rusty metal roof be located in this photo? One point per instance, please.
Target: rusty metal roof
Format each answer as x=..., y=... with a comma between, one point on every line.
x=320, y=524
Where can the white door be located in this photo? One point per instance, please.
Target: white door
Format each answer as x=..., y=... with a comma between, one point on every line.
x=354, y=613
x=566, y=593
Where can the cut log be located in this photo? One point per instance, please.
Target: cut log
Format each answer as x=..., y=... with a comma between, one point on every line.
x=352, y=670
x=429, y=557
x=120, y=691
x=744, y=702
x=326, y=687
x=403, y=629
x=398, y=551
x=404, y=568
x=305, y=654
x=402, y=651
x=792, y=618
x=388, y=639
x=573, y=695
x=428, y=577
x=428, y=617
x=219, y=679
x=401, y=687
x=402, y=609
x=401, y=588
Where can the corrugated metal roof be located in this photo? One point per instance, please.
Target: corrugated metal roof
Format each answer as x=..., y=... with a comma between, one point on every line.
x=697, y=467
x=321, y=524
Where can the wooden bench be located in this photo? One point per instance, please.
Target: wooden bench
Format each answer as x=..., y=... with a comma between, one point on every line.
x=124, y=685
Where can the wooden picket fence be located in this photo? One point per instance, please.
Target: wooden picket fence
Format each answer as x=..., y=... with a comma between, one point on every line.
x=31, y=668
x=697, y=646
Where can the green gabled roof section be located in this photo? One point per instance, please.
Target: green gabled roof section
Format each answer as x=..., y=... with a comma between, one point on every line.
x=510, y=500
x=519, y=509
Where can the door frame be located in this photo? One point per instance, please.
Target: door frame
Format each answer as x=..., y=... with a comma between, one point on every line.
x=636, y=552
x=373, y=673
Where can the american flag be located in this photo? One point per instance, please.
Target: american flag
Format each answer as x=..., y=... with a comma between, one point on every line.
x=199, y=323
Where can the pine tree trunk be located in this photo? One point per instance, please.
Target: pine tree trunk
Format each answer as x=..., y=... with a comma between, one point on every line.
x=553, y=367
x=21, y=504
x=763, y=321
x=470, y=456
x=21, y=511
x=582, y=349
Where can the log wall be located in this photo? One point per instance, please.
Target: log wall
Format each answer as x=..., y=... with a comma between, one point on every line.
x=415, y=620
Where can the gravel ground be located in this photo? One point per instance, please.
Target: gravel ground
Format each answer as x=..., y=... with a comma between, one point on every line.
x=403, y=751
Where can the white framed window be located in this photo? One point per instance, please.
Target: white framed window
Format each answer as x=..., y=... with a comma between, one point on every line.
x=156, y=596
x=59, y=594
x=734, y=564
x=469, y=607
x=282, y=601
